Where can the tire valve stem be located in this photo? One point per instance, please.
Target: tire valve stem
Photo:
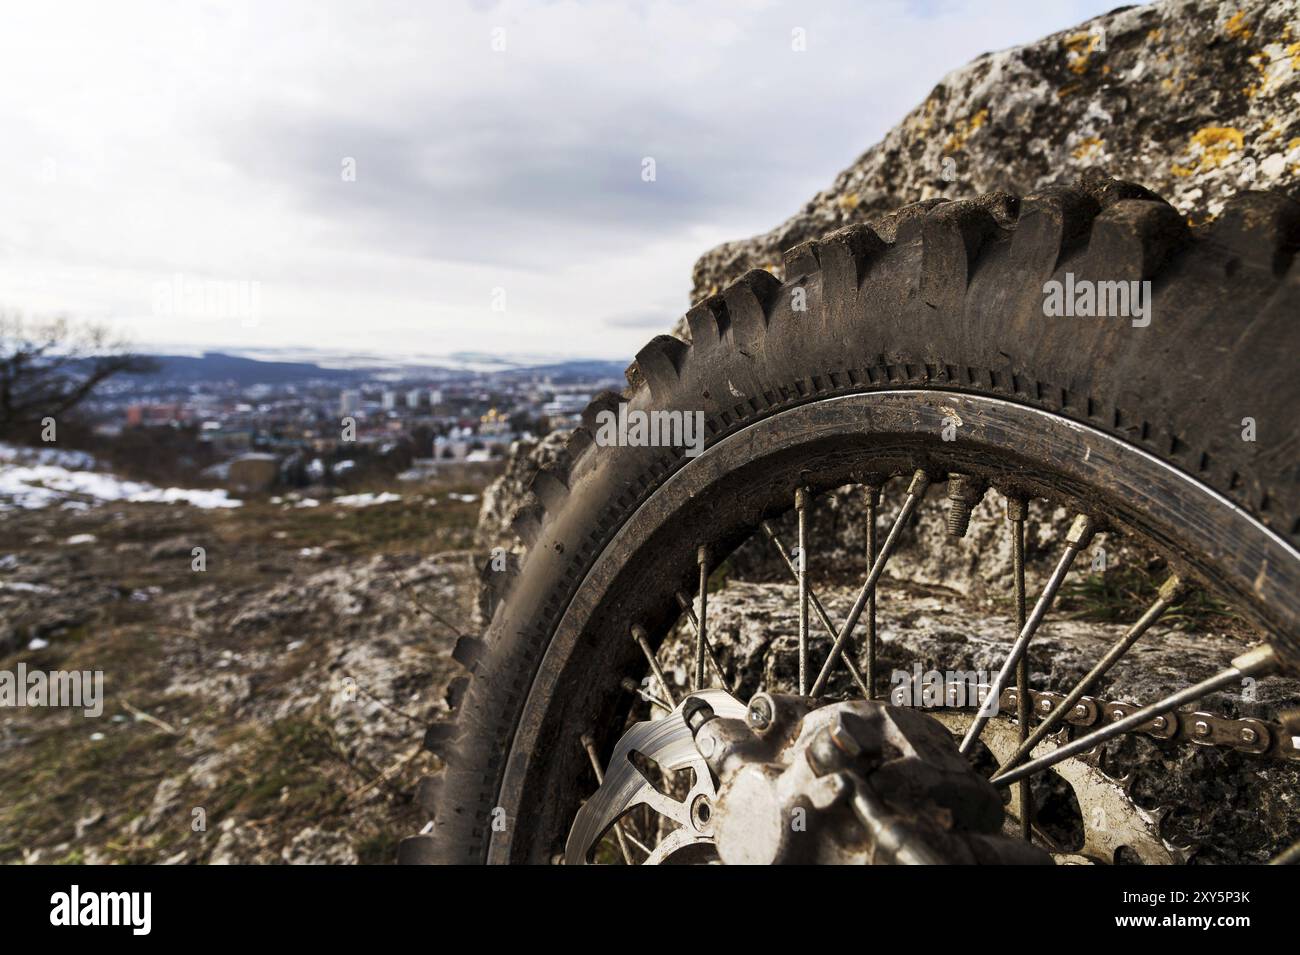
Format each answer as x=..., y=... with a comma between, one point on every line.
x=964, y=495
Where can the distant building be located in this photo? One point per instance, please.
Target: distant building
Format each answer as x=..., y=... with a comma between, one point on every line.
x=349, y=403
x=493, y=422
x=143, y=415
x=390, y=400
x=566, y=404
x=435, y=397
x=413, y=398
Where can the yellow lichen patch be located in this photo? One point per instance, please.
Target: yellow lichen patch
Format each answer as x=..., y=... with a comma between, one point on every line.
x=1260, y=62
x=963, y=130
x=1269, y=132
x=1087, y=148
x=849, y=201
x=923, y=117
x=1275, y=64
x=1079, y=48
x=1236, y=26
x=1209, y=148
x=1153, y=36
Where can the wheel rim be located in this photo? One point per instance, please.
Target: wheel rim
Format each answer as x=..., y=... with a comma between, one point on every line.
x=826, y=444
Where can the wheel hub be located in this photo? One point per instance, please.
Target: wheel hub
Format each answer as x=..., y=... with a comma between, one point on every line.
x=847, y=783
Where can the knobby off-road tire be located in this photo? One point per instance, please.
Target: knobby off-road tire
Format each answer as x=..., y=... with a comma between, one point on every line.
x=940, y=296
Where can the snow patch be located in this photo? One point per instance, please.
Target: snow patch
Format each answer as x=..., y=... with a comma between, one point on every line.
x=43, y=477
x=368, y=499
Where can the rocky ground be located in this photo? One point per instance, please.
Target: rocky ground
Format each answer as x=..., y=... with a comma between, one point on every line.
x=269, y=708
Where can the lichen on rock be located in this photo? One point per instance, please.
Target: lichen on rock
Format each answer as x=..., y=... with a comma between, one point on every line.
x=1194, y=100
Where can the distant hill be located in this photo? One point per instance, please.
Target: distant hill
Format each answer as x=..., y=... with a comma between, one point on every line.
x=220, y=366
x=216, y=366
x=582, y=370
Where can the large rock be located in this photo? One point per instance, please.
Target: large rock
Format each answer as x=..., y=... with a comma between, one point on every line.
x=1194, y=100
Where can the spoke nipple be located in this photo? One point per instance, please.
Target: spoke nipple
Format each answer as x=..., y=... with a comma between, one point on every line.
x=1081, y=531
x=1172, y=589
x=871, y=493
x=1017, y=506
x=964, y=494
x=1256, y=661
x=920, y=481
x=588, y=741
x=802, y=496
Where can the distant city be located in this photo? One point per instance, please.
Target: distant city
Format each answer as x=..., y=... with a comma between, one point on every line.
x=262, y=423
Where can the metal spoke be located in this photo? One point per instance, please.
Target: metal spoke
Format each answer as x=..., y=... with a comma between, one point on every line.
x=801, y=509
x=643, y=641
x=684, y=602
x=1170, y=592
x=638, y=843
x=702, y=624
x=631, y=686
x=1017, y=511
x=1081, y=532
x=822, y=615
x=873, y=503
x=589, y=744
x=1288, y=856
x=1255, y=662
x=915, y=491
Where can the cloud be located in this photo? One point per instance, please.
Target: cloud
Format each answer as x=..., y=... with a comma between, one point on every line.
x=152, y=139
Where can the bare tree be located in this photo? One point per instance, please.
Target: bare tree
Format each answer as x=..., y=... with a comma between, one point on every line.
x=49, y=367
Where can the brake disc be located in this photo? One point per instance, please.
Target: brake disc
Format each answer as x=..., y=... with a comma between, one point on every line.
x=669, y=743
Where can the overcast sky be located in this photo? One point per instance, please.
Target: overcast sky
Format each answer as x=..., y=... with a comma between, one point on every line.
x=426, y=178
